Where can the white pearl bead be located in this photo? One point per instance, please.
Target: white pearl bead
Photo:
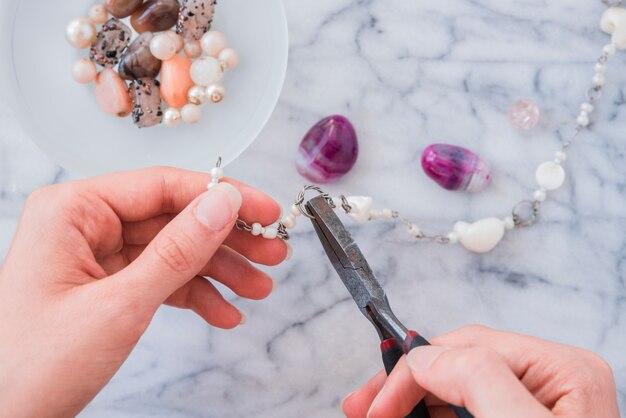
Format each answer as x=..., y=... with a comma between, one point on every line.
x=217, y=172
x=98, y=14
x=163, y=47
x=84, y=71
x=609, y=50
x=598, y=80
x=586, y=107
x=386, y=214
x=453, y=237
x=213, y=42
x=270, y=233
x=215, y=93
x=509, y=223
x=230, y=57
x=539, y=195
x=180, y=42
x=289, y=221
x=213, y=184
x=414, y=231
x=600, y=68
x=295, y=210
x=257, y=229
x=80, y=33
x=191, y=113
x=206, y=71
x=193, y=49
x=171, y=117
x=560, y=155
x=196, y=95
x=550, y=175
x=583, y=119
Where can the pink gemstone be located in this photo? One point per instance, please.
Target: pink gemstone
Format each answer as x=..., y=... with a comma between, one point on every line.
x=328, y=151
x=524, y=115
x=455, y=168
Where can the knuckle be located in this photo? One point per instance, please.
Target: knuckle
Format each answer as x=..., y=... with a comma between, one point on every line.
x=175, y=251
x=474, y=362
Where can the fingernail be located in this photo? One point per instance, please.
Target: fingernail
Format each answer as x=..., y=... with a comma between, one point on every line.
x=343, y=401
x=218, y=206
x=376, y=400
x=421, y=358
x=243, y=319
x=289, y=252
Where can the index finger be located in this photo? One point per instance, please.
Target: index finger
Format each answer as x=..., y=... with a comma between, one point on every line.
x=142, y=194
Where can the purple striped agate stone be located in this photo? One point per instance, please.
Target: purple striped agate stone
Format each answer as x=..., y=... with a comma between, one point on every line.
x=455, y=168
x=328, y=151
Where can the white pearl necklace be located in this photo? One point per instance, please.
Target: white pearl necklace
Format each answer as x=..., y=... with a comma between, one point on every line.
x=483, y=235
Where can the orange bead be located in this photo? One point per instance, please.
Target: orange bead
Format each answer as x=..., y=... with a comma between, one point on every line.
x=112, y=94
x=176, y=81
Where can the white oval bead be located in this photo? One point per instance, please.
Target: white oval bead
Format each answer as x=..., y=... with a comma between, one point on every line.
x=295, y=210
x=598, y=80
x=414, y=231
x=270, y=233
x=453, y=238
x=217, y=172
x=560, y=155
x=583, y=119
x=213, y=184
x=171, y=117
x=206, y=71
x=586, y=107
x=257, y=229
x=539, y=195
x=196, y=95
x=386, y=214
x=84, y=71
x=193, y=49
x=481, y=236
x=178, y=40
x=98, y=14
x=213, y=42
x=550, y=175
x=600, y=68
x=229, y=57
x=614, y=23
x=163, y=47
x=361, y=207
x=609, y=50
x=80, y=33
x=191, y=113
x=215, y=93
x=289, y=221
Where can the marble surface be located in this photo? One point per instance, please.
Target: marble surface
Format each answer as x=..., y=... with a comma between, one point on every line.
x=407, y=74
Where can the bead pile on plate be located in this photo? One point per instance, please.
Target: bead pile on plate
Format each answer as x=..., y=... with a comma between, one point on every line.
x=175, y=59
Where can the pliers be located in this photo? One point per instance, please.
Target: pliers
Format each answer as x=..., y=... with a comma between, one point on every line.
x=357, y=276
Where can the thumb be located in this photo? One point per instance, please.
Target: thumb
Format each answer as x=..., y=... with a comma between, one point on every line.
x=476, y=378
x=184, y=246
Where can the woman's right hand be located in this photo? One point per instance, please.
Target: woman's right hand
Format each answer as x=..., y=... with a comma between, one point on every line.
x=493, y=374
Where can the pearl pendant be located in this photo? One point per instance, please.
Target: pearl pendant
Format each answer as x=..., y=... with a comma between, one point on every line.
x=481, y=236
x=614, y=23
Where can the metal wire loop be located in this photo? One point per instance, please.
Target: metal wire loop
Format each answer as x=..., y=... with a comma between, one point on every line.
x=525, y=213
x=345, y=205
x=594, y=94
x=218, y=164
x=300, y=199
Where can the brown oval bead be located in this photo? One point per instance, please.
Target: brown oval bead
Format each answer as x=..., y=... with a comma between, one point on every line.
x=155, y=16
x=122, y=8
x=138, y=62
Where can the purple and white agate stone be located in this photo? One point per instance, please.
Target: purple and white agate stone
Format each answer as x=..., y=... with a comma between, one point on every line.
x=455, y=168
x=328, y=151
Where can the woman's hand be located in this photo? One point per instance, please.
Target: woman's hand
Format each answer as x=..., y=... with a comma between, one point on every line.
x=93, y=260
x=493, y=374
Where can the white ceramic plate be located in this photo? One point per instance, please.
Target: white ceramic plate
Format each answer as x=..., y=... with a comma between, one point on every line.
x=62, y=117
